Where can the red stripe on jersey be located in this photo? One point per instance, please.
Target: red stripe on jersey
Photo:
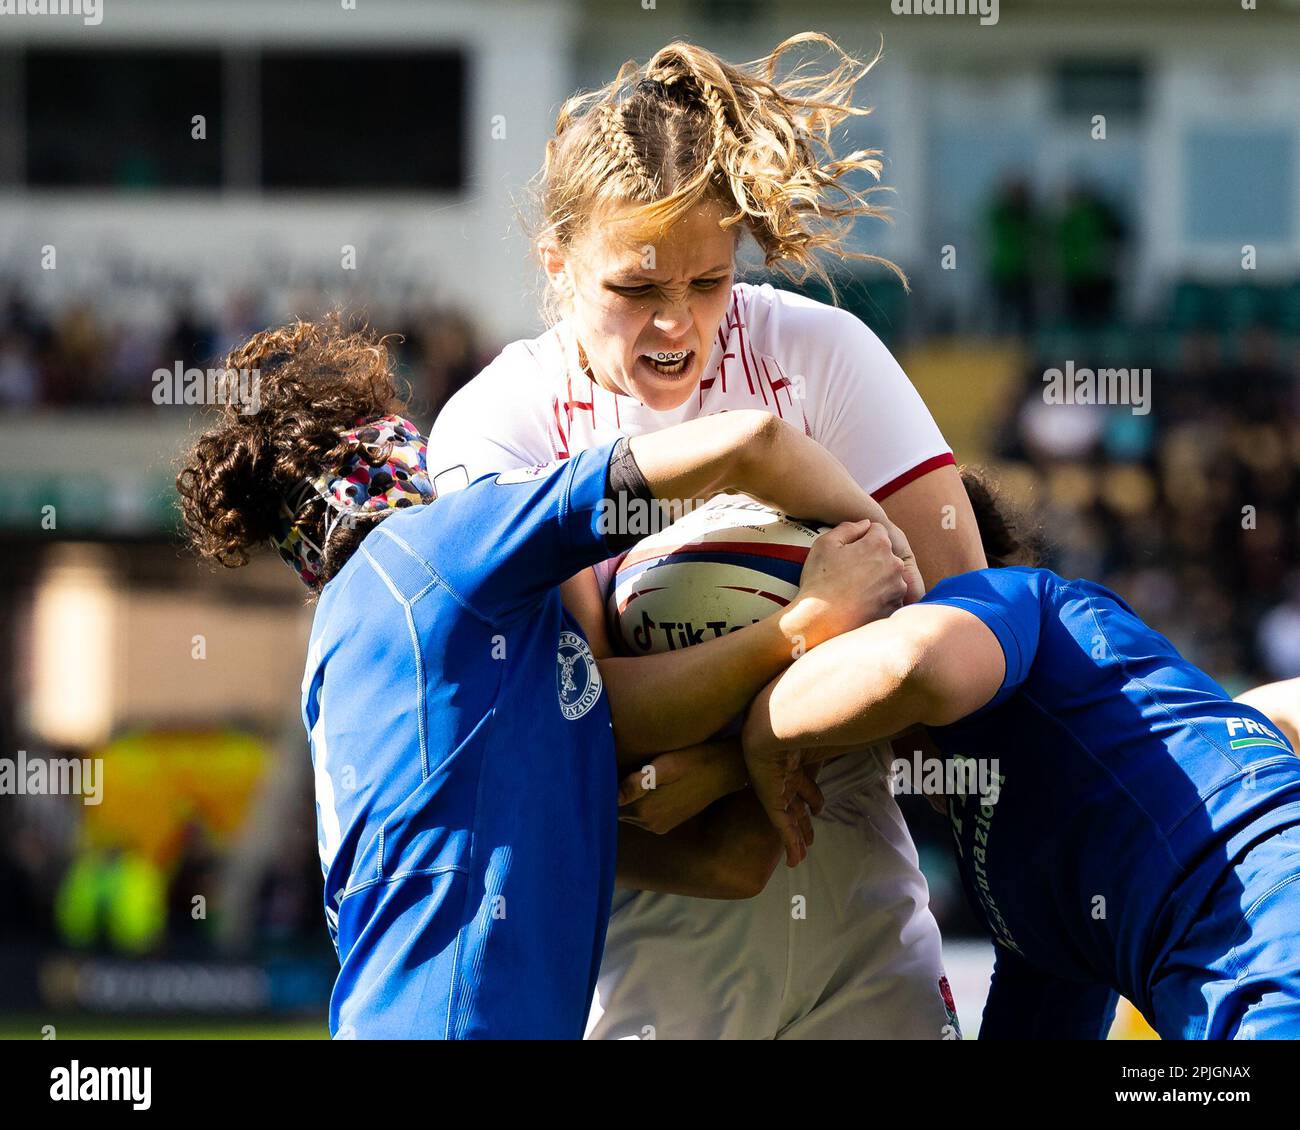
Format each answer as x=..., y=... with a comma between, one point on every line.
x=722, y=369
x=562, y=446
x=747, y=345
x=572, y=402
x=783, y=382
x=919, y=471
x=744, y=361
x=744, y=348
x=775, y=399
x=787, y=384
x=735, y=324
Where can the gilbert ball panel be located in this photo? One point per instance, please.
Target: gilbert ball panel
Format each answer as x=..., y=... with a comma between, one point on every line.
x=726, y=565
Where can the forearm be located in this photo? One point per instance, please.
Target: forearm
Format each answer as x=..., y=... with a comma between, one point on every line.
x=708, y=685
x=796, y=475
x=726, y=852
x=757, y=454
x=926, y=665
x=678, y=785
x=837, y=698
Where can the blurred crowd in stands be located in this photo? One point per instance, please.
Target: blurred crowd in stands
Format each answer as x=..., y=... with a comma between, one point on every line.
x=81, y=358
x=1190, y=510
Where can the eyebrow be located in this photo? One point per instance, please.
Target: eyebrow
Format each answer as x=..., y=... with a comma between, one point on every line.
x=623, y=279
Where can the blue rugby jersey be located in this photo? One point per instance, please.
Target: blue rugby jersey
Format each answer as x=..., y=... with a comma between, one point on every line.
x=1128, y=783
x=466, y=783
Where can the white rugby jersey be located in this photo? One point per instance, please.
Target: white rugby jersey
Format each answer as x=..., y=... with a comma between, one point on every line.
x=812, y=364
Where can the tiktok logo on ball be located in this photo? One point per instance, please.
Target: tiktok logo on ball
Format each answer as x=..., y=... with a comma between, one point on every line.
x=577, y=677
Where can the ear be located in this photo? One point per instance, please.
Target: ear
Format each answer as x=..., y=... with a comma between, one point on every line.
x=555, y=264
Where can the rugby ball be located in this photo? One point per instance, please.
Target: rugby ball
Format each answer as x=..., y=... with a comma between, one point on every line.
x=727, y=564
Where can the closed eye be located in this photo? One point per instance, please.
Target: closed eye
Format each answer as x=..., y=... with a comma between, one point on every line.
x=642, y=291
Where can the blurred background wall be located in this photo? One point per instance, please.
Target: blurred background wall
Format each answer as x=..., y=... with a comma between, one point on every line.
x=1085, y=182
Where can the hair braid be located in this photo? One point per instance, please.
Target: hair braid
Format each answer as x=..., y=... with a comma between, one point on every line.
x=713, y=100
x=689, y=127
x=623, y=148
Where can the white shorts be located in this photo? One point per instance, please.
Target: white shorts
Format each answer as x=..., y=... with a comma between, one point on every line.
x=858, y=957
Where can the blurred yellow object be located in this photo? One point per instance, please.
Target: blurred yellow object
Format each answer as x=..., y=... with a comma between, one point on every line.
x=1130, y=1024
x=155, y=783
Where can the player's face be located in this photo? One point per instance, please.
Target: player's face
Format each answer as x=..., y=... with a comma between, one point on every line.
x=646, y=314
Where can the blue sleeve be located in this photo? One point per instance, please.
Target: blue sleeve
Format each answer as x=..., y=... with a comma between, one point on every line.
x=506, y=540
x=1027, y=1004
x=1009, y=603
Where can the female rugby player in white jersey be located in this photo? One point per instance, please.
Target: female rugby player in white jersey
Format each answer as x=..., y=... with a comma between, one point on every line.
x=649, y=185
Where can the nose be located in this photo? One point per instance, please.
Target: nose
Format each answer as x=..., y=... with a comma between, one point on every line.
x=673, y=317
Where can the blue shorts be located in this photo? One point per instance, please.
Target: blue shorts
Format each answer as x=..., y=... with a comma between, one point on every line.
x=1236, y=973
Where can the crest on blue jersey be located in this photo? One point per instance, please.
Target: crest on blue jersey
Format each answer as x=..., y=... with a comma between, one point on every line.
x=525, y=474
x=577, y=677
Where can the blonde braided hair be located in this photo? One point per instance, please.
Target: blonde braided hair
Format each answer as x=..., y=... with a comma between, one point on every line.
x=688, y=127
x=617, y=141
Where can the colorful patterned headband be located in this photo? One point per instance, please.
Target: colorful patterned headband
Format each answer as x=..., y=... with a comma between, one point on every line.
x=375, y=480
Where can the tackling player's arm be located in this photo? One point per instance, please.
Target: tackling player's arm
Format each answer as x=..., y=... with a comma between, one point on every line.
x=677, y=837
x=928, y=665
x=1280, y=701
x=678, y=698
x=858, y=571
x=680, y=784
x=758, y=454
x=728, y=852
x=852, y=575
